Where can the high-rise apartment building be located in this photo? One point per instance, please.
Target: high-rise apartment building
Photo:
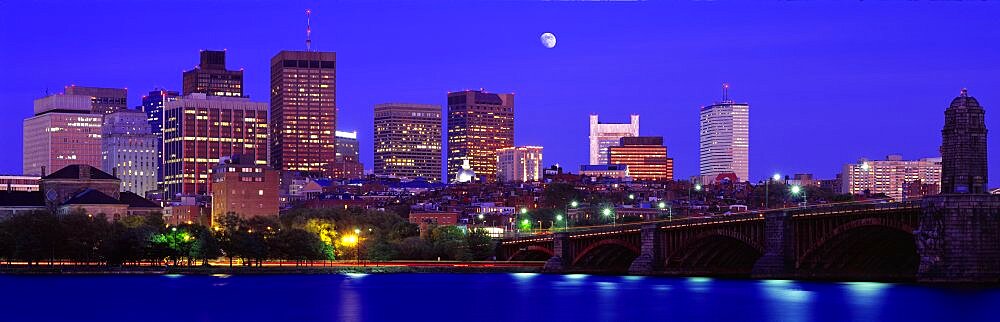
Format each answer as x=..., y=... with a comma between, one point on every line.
x=725, y=139
x=102, y=100
x=519, y=164
x=129, y=150
x=152, y=104
x=645, y=157
x=243, y=187
x=408, y=141
x=63, y=131
x=479, y=124
x=199, y=130
x=892, y=176
x=605, y=135
x=348, y=160
x=304, y=111
x=212, y=78
x=963, y=147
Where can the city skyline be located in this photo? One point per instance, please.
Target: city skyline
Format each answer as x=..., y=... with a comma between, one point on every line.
x=668, y=98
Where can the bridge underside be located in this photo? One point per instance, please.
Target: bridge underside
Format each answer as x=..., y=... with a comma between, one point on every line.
x=715, y=255
x=609, y=258
x=870, y=252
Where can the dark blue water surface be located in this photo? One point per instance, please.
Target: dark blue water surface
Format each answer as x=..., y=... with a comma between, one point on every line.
x=478, y=297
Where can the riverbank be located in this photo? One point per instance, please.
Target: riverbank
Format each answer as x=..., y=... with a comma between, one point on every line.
x=412, y=267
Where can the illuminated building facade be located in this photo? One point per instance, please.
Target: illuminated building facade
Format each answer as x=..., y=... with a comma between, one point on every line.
x=408, y=141
x=63, y=131
x=348, y=161
x=616, y=171
x=479, y=124
x=102, y=100
x=520, y=164
x=725, y=139
x=304, y=111
x=645, y=157
x=152, y=104
x=199, y=130
x=892, y=176
x=212, y=78
x=18, y=183
x=129, y=150
x=243, y=187
x=606, y=135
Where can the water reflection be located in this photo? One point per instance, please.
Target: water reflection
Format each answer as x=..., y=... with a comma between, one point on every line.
x=699, y=284
x=866, y=298
x=786, y=300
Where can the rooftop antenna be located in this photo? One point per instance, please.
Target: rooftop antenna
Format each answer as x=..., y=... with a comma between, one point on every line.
x=308, y=31
x=725, y=92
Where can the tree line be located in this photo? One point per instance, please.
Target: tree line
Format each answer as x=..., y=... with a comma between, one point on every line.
x=41, y=237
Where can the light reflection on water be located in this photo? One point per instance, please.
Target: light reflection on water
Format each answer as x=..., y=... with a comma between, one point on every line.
x=785, y=299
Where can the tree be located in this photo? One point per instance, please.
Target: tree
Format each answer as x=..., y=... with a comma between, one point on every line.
x=298, y=245
x=205, y=245
x=559, y=195
x=35, y=235
x=85, y=236
x=448, y=242
x=480, y=245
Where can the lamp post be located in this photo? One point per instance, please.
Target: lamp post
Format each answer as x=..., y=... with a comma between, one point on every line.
x=565, y=224
x=796, y=190
x=607, y=212
x=670, y=213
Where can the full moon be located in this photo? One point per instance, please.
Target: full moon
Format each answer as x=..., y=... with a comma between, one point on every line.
x=548, y=40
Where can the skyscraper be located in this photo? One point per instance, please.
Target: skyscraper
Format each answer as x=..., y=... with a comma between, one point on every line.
x=129, y=150
x=963, y=147
x=199, y=130
x=725, y=139
x=212, y=78
x=604, y=135
x=520, y=164
x=63, y=131
x=102, y=100
x=479, y=124
x=408, y=141
x=347, y=164
x=645, y=158
x=152, y=104
x=304, y=111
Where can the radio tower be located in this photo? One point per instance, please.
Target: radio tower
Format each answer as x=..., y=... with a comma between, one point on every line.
x=308, y=31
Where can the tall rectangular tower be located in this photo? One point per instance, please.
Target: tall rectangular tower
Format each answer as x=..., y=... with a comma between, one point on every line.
x=129, y=150
x=304, y=111
x=725, y=139
x=347, y=163
x=408, y=141
x=479, y=124
x=212, y=78
x=152, y=104
x=200, y=130
x=63, y=131
x=520, y=164
x=605, y=135
x=103, y=100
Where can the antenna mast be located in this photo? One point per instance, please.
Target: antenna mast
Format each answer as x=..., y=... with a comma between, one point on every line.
x=725, y=92
x=308, y=31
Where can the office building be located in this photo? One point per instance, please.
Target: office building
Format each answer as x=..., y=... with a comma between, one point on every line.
x=245, y=188
x=725, y=140
x=347, y=163
x=520, y=164
x=199, y=130
x=612, y=171
x=152, y=104
x=18, y=182
x=963, y=147
x=63, y=131
x=408, y=141
x=304, y=111
x=645, y=157
x=479, y=124
x=129, y=150
x=605, y=135
x=212, y=78
x=102, y=100
x=892, y=176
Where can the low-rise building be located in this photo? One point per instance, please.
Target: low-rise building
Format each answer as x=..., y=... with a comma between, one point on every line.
x=245, y=188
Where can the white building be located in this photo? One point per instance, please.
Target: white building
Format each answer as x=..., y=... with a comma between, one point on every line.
x=605, y=135
x=725, y=139
x=519, y=164
x=63, y=131
x=894, y=177
x=129, y=150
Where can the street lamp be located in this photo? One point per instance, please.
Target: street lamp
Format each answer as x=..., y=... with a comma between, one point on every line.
x=560, y=218
x=574, y=204
x=631, y=196
x=607, y=212
x=670, y=214
x=524, y=210
x=796, y=190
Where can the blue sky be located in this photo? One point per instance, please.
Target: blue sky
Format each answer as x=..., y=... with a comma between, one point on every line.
x=828, y=82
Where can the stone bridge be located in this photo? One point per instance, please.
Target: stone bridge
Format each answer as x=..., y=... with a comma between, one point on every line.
x=940, y=238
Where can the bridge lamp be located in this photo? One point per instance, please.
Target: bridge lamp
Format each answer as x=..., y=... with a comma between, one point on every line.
x=796, y=190
x=776, y=177
x=524, y=210
x=559, y=217
x=606, y=211
x=662, y=205
x=574, y=204
x=631, y=196
x=697, y=187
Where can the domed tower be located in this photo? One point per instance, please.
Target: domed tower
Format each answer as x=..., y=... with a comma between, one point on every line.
x=963, y=147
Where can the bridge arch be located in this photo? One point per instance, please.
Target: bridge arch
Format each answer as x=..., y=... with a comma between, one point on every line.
x=872, y=247
x=531, y=253
x=715, y=251
x=613, y=254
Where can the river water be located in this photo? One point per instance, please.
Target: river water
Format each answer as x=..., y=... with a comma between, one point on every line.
x=478, y=297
